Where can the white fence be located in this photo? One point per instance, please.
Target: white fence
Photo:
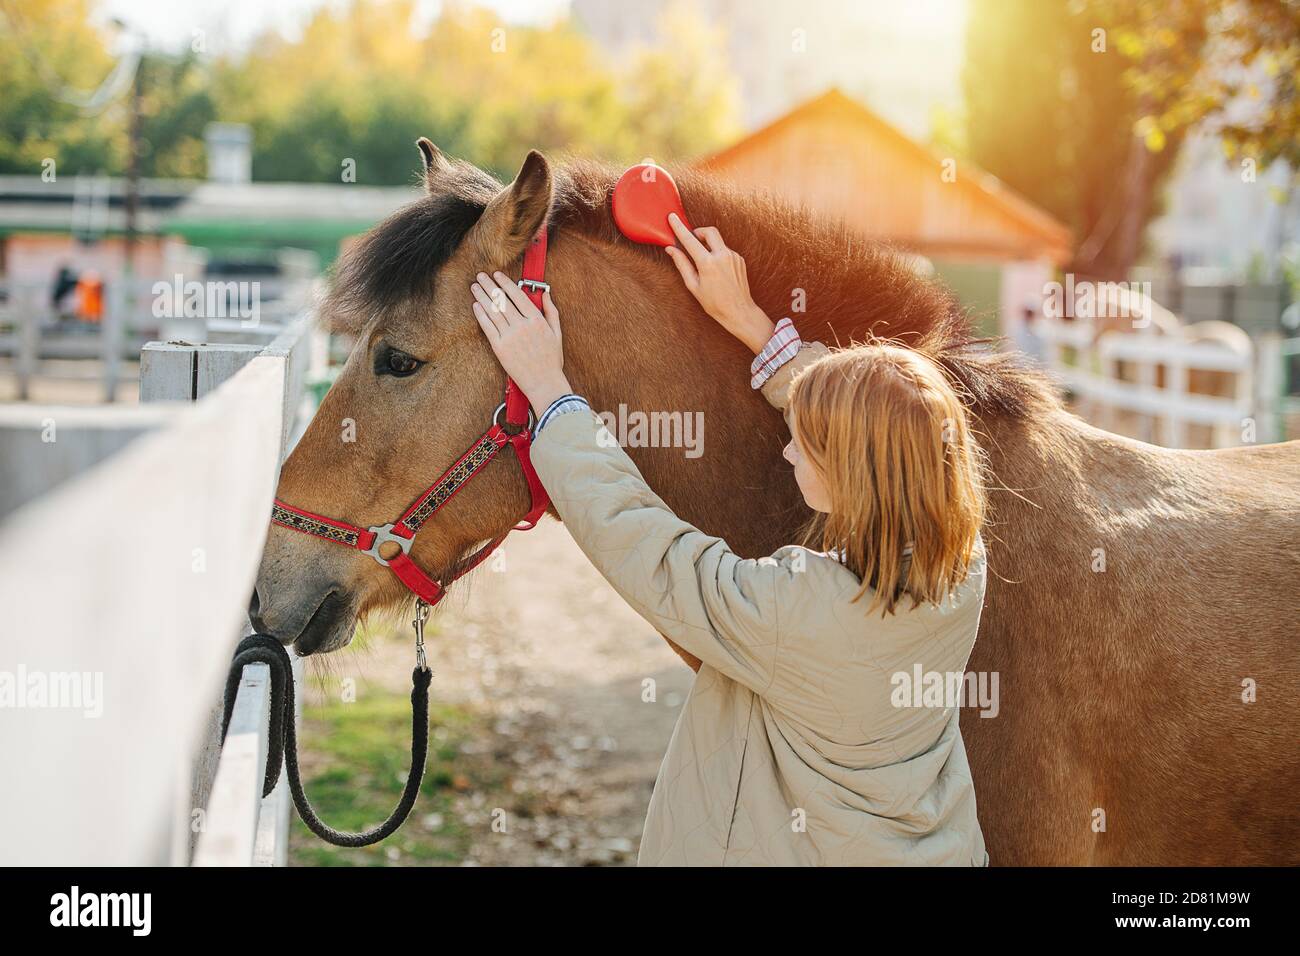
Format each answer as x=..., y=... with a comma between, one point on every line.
x=125, y=590
x=32, y=334
x=1116, y=372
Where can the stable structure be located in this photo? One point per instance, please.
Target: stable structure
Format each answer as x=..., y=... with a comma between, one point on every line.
x=80, y=221
x=837, y=158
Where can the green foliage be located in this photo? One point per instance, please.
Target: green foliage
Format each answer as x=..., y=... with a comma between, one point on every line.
x=1047, y=112
x=1233, y=66
x=48, y=53
x=176, y=106
x=360, y=85
x=1083, y=107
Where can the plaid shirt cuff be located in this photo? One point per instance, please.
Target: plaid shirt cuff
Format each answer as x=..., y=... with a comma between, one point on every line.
x=780, y=348
x=563, y=404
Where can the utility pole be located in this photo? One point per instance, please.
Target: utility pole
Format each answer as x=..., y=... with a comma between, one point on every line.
x=121, y=300
x=133, y=166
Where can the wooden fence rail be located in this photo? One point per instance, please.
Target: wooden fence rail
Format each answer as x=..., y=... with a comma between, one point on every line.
x=31, y=333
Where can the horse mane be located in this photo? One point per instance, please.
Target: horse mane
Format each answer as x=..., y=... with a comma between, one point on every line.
x=853, y=288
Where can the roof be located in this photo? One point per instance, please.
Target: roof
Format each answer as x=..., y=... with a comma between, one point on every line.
x=318, y=202
x=192, y=208
x=836, y=156
x=81, y=203
x=316, y=215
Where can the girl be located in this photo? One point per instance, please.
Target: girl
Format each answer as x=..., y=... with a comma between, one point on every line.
x=814, y=732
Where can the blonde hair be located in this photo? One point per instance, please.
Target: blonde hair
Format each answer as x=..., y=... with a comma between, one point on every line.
x=890, y=438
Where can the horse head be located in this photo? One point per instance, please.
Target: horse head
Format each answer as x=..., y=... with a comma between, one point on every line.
x=419, y=387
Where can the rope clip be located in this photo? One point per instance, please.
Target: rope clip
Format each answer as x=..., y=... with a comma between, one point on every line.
x=421, y=615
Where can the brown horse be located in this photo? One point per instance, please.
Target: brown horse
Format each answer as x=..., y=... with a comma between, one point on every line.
x=1142, y=611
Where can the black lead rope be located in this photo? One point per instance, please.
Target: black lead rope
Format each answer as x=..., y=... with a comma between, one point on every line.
x=283, y=741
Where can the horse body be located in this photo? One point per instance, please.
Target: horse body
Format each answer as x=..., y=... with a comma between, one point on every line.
x=1132, y=589
x=1135, y=589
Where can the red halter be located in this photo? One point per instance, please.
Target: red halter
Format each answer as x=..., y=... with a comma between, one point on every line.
x=402, y=531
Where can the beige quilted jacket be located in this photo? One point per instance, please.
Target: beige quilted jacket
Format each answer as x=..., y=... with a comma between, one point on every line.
x=794, y=746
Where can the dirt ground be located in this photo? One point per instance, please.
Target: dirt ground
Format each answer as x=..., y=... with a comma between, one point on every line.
x=574, y=696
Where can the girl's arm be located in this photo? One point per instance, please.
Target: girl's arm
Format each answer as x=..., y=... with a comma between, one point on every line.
x=691, y=586
x=777, y=388
x=716, y=275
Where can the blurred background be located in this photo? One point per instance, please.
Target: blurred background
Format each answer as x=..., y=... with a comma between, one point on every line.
x=1109, y=185
x=1006, y=142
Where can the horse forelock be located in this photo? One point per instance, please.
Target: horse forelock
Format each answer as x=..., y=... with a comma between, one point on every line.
x=397, y=260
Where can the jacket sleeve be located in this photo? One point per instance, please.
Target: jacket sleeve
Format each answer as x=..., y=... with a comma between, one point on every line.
x=777, y=388
x=689, y=585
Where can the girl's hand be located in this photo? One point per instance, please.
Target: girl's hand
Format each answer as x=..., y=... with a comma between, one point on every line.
x=716, y=276
x=526, y=341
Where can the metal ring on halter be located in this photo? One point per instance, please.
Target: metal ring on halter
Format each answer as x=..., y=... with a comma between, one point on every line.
x=383, y=534
x=532, y=420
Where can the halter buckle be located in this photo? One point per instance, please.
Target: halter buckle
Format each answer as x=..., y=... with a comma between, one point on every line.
x=383, y=534
x=536, y=285
x=532, y=419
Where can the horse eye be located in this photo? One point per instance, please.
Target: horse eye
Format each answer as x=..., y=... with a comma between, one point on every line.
x=399, y=363
x=396, y=363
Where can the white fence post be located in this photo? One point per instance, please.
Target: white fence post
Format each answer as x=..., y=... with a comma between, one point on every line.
x=120, y=297
x=28, y=320
x=1104, y=393
x=146, y=608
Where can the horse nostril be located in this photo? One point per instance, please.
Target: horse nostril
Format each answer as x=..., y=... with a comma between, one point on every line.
x=254, y=612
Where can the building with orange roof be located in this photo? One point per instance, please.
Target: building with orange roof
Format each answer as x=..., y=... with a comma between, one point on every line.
x=836, y=157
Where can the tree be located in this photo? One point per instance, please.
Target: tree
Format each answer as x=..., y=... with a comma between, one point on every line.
x=52, y=63
x=362, y=84
x=1083, y=107
x=1052, y=115
x=682, y=96
x=48, y=55
x=177, y=105
x=1244, y=83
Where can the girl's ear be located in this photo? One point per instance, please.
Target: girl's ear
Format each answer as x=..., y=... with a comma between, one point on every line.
x=513, y=217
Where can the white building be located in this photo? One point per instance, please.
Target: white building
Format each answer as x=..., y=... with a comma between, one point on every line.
x=902, y=59
x=1220, y=221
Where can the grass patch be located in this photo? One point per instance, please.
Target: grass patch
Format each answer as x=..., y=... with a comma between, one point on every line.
x=354, y=760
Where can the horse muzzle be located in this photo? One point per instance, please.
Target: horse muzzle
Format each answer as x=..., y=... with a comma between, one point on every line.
x=315, y=624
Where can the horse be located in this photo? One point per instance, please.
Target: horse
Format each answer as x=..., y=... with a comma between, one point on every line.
x=1141, y=610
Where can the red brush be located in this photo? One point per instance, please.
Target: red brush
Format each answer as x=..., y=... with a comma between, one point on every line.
x=643, y=198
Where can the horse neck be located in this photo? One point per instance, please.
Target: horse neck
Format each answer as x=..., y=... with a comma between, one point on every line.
x=632, y=332
x=634, y=336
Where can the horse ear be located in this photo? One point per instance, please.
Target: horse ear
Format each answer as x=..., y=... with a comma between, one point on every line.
x=515, y=214
x=435, y=162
